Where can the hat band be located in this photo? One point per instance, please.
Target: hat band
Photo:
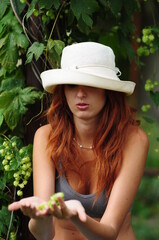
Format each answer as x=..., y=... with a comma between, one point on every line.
x=73, y=67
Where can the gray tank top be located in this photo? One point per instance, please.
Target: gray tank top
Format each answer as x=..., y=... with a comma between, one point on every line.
x=95, y=211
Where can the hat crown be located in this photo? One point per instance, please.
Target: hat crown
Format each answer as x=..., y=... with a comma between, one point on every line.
x=87, y=54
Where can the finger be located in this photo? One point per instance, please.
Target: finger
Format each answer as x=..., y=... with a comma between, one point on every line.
x=82, y=215
x=14, y=206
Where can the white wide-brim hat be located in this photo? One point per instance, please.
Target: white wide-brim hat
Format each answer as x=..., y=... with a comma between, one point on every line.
x=89, y=64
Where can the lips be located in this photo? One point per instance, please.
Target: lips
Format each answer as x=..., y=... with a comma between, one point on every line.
x=82, y=106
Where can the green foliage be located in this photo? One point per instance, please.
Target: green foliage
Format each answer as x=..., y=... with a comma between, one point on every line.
x=12, y=38
x=145, y=210
x=38, y=30
x=15, y=170
x=35, y=50
x=13, y=104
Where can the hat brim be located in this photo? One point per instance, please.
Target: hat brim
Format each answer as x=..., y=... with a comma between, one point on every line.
x=53, y=77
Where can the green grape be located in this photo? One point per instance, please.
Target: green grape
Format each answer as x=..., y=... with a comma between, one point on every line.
x=12, y=236
x=24, y=166
x=145, y=108
x=21, y=185
x=23, y=1
x=16, y=175
x=6, y=167
x=23, y=172
x=16, y=183
x=9, y=157
x=44, y=18
x=5, y=144
x=19, y=193
x=52, y=198
x=21, y=151
x=155, y=83
x=28, y=165
x=25, y=182
x=36, y=12
x=14, y=144
x=4, y=162
x=145, y=39
x=151, y=37
x=2, y=152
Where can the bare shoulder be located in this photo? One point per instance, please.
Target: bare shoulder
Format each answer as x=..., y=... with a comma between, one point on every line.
x=43, y=132
x=136, y=144
x=137, y=136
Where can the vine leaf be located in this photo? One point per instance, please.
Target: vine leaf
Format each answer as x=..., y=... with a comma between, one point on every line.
x=14, y=103
x=148, y=120
x=155, y=97
x=35, y=50
x=48, y=4
x=3, y=6
x=11, y=39
x=116, y=6
x=4, y=218
x=84, y=9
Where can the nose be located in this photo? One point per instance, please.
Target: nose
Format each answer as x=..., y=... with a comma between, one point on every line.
x=81, y=91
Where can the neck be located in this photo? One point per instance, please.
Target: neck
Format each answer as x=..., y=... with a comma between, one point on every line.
x=85, y=132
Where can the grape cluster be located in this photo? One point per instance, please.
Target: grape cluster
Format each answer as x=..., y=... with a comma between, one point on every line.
x=149, y=85
x=145, y=107
x=147, y=42
x=12, y=236
x=52, y=198
x=16, y=162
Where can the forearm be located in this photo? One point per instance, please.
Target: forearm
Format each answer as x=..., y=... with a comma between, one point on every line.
x=42, y=229
x=94, y=230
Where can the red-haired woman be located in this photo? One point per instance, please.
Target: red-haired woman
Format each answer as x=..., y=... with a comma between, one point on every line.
x=92, y=150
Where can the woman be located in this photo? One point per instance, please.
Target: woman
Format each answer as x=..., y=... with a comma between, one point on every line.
x=92, y=150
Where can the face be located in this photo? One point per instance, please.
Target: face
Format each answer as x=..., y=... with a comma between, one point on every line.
x=85, y=102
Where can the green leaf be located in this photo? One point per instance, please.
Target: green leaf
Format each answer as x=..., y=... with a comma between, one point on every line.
x=31, y=8
x=148, y=120
x=84, y=9
x=155, y=97
x=15, y=103
x=35, y=50
x=9, y=55
x=86, y=18
x=115, y=6
x=130, y=6
x=2, y=183
x=1, y=116
x=103, y=2
x=14, y=81
x=6, y=97
x=5, y=219
x=59, y=45
x=13, y=114
x=48, y=4
x=3, y=41
x=19, y=7
x=22, y=41
x=14, y=164
x=3, y=6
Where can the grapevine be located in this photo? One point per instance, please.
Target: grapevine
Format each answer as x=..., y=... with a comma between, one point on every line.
x=16, y=162
x=147, y=42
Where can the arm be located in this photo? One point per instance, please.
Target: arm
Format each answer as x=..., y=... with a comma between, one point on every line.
x=123, y=191
x=43, y=183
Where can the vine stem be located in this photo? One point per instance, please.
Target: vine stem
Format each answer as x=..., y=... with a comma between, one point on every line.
x=54, y=24
x=11, y=218
x=41, y=110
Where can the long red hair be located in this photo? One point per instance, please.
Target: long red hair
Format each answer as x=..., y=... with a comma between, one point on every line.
x=108, y=143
